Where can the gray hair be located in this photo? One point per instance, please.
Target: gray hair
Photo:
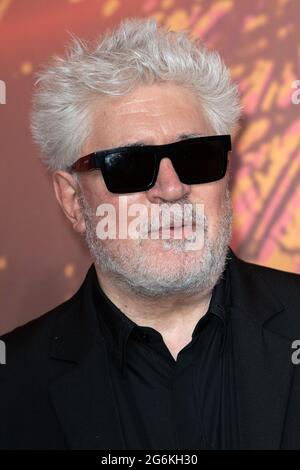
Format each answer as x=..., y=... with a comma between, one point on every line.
x=134, y=53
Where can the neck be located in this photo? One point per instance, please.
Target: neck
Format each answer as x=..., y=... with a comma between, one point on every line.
x=173, y=316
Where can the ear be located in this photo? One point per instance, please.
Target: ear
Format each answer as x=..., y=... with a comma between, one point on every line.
x=66, y=192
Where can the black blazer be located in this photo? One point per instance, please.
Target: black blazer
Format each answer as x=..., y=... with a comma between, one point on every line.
x=55, y=390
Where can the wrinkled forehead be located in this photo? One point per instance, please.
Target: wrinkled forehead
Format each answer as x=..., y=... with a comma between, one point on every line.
x=153, y=115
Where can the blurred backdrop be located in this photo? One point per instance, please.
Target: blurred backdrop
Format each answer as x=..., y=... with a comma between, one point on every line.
x=42, y=263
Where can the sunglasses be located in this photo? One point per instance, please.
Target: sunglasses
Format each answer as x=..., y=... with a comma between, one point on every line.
x=135, y=168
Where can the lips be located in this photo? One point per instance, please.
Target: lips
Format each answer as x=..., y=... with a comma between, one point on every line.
x=185, y=229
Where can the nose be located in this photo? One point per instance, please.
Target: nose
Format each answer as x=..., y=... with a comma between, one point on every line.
x=168, y=186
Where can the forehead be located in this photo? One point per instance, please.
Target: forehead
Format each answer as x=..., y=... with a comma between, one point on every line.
x=152, y=114
x=158, y=95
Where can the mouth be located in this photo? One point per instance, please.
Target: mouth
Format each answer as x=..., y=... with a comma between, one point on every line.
x=182, y=229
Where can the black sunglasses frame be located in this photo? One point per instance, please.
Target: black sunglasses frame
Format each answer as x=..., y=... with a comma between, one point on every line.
x=96, y=160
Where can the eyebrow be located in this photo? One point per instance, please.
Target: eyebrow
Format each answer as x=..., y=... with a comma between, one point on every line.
x=178, y=137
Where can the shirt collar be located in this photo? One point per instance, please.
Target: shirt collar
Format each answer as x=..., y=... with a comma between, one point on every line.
x=117, y=327
x=218, y=302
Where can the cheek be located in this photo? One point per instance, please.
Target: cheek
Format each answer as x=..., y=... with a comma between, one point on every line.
x=116, y=208
x=95, y=191
x=211, y=195
x=129, y=208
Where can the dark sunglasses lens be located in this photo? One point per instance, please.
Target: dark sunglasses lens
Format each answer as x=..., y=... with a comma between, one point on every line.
x=129, y=171
x=200, y=162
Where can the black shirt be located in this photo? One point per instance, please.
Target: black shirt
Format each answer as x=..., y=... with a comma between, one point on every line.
x=163, y=403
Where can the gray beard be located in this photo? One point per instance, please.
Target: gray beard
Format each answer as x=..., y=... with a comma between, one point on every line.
x=131, y=270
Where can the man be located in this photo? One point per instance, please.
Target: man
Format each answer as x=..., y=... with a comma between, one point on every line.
x=172, y=342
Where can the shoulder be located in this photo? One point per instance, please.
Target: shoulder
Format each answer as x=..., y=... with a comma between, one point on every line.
x=266, y=293
x=285, y=283
x=30, y=341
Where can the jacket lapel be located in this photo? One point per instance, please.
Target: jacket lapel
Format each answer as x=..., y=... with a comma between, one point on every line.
x=85, y=406
x=262, y=356
x=83, y=397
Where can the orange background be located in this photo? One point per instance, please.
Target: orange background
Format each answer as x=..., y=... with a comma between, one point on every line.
x=42, y=262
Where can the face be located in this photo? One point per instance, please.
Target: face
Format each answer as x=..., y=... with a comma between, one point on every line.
x=156, y=114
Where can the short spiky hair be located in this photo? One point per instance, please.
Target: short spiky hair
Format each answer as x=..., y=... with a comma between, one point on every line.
x=136, y=52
